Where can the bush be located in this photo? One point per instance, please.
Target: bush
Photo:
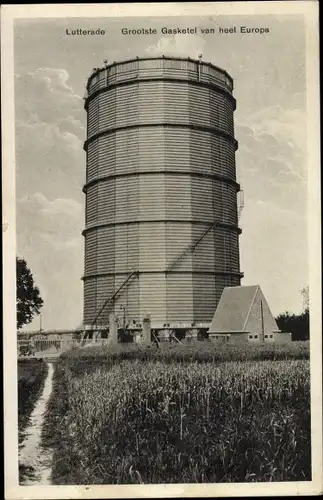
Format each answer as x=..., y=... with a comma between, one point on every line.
x=82, y=360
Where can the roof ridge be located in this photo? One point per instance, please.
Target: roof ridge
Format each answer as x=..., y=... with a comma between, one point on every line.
x=252, y=302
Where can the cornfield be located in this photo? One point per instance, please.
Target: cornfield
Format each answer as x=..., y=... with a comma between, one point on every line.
x=154, y=422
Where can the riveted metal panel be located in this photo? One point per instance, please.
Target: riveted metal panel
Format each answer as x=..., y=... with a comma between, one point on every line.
x=92, y=161
x=223, y=157
x=105, y=249
x=205, y=291
x=151, y=149
x=127, y=106
x=152, y=295
x=108, y=109
x=178, y=239
x=152, y=197
x=127, y=303
x=178, y=197
x=106, y=195
x=221, y=111
x=205, y=207
x=89, y=300
x=133, y=247
x=120, y=260
x=151, y=102
x=176, y=102
x=127, y=198
x=179, y=295
x=105, y=289
x=107, y=153
x=91, y=206
x=93, y=117
x=152, y=245
x=234, y=252
x=91, y=248
x=204, y=255
x=126, y=151
x=177, y=149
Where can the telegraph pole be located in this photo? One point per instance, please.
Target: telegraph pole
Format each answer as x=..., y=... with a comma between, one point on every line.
x=262, y=323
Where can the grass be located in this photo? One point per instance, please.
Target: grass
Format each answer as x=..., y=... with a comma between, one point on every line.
x=31, y=378
x=135, y=415
x=87, y=359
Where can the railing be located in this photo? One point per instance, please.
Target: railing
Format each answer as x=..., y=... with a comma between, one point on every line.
x=51, y=348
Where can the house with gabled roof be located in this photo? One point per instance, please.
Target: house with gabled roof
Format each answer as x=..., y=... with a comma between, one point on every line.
x=243, y=314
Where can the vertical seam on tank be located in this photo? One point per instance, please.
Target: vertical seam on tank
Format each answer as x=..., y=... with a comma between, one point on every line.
x=192, y=205
x=165, y=275
x=97, y=295
x=137, y=208
x=113, y=284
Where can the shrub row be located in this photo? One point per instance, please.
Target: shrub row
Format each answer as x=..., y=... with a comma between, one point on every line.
x=88, y=358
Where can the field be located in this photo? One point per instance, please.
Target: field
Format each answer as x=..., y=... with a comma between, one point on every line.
x=180, y=414
x=31, y=377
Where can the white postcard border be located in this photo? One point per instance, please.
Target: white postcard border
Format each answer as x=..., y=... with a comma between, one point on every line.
x=310, y=11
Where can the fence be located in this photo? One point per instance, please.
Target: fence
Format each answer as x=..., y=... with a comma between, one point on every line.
x=52, y=347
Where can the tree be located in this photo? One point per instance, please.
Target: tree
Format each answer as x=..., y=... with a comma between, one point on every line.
x=29, y=301
x=306, y=298
x=297, y=325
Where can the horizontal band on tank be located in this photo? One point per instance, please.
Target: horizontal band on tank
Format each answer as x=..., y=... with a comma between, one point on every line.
x=220, y=90
x=167, y=58
x=213, y=273
x=202, y=128
x=230, y=227
x=188, y=173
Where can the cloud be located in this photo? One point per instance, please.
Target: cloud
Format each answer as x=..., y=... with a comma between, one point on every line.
x=49, y=237
x=58, y=222
x=272, y=153
x=178, y=45
x=58, y=206
x=287, y=124
x=50, y=132
x=274, y=253
x=44, y=96
x=50, y=171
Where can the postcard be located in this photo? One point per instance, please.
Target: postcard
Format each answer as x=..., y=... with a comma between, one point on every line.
x=161, y=227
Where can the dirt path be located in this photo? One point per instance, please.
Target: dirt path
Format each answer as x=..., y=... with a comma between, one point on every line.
x=34, y=461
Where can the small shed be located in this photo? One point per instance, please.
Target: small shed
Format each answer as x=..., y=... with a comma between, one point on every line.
x=243, y=314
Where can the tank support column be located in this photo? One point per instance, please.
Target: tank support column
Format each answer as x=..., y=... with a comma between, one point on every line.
x=146, y=330
x=113, y=330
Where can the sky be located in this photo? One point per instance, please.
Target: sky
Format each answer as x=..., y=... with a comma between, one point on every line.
x=51, y=70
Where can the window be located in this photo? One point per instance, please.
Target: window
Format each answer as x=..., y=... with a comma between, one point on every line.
x=256, y=336
x=250, y=337
x=266, y=336
x=271, y=336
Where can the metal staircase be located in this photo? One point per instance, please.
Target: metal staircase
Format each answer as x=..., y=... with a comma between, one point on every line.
x=190, y=248
x=112, y=298
x=240, y=203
